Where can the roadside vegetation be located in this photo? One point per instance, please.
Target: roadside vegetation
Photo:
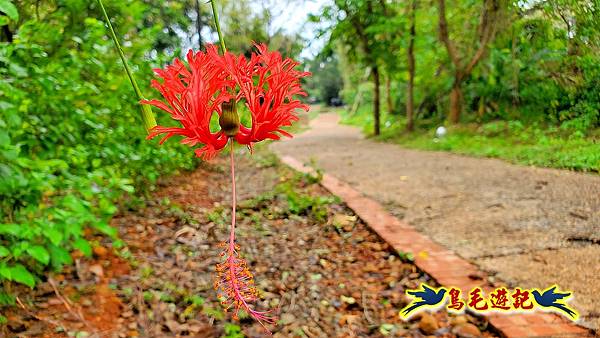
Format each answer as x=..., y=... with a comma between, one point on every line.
x=517, y=80
x=73, y=151
x=537, y=144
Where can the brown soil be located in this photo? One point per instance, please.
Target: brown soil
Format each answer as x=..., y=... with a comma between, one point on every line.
x=84, y=302
x=534, y=227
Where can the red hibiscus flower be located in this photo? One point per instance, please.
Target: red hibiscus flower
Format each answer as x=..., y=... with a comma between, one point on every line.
x=266, y=83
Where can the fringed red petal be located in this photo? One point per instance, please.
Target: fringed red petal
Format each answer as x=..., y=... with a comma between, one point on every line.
x=266, y=82
x=191, y=96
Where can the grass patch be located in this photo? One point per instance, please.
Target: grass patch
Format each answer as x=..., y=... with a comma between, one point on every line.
x=536, y=144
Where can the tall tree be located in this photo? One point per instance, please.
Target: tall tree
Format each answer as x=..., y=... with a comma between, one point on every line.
x=462, y=62
x=355, y=28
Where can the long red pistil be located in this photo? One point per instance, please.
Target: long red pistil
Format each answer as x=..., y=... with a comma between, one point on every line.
x=235, y=282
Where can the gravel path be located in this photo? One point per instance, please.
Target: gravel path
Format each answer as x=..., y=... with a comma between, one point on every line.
x=532, y=226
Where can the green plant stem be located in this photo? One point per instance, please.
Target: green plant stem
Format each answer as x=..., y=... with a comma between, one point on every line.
x=217, y=25
x=147, y=114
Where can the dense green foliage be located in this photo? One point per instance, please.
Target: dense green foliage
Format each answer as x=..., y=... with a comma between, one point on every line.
x=72, y=142
x=531, y=62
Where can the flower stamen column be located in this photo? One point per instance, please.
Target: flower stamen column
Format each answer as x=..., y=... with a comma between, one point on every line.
x=235, y=283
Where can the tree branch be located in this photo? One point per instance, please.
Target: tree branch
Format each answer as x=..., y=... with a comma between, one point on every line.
x=444, y=36
x=487, y=28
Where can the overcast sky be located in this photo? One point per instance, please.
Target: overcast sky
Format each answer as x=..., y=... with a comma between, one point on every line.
x=289, y=15
x=292, y=16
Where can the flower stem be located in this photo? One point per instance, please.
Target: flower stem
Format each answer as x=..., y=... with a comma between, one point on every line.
x=147, y=115
x=217, y=25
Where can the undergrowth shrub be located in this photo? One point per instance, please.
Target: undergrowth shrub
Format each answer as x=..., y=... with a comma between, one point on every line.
x=72, y=144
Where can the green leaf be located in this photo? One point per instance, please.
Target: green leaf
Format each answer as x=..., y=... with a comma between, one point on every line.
x=128, y=188
x=84, y=246
x=73, y=203
x=10, y=229
x=21, y=275
x=19, y=248
x=9, y=9
x=17, y=70
x=39, y=253
x=4, y=251
x=118, y=244
x=53, y=235
x=4, y=138
x=13, y=120
x=106, y=229
x=59, y=257
x=107, y=206
x=5, y=272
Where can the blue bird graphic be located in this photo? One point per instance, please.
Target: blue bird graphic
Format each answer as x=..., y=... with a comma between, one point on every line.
x=552, y=299
x=427, y=296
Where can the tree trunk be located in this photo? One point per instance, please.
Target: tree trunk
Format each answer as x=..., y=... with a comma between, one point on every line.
x=490, y=19
x=388, y=94
x=516, y=69
x=455, y=102
x=411, y=70
x=376, y=100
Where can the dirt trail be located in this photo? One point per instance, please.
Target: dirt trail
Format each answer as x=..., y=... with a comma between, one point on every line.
x=532, y=226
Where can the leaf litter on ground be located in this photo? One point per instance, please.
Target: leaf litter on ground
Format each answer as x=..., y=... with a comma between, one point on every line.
x=323, y=271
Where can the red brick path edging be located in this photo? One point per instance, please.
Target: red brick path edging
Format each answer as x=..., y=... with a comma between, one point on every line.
x=441, y=264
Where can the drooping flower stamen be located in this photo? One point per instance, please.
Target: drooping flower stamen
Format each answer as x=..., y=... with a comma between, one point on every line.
x=234, y=281
x=235, y=286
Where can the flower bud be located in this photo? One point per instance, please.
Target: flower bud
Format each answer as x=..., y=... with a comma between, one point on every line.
x=229, y=119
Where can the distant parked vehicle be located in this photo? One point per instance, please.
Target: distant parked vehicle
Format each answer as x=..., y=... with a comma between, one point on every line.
x=336, y=102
